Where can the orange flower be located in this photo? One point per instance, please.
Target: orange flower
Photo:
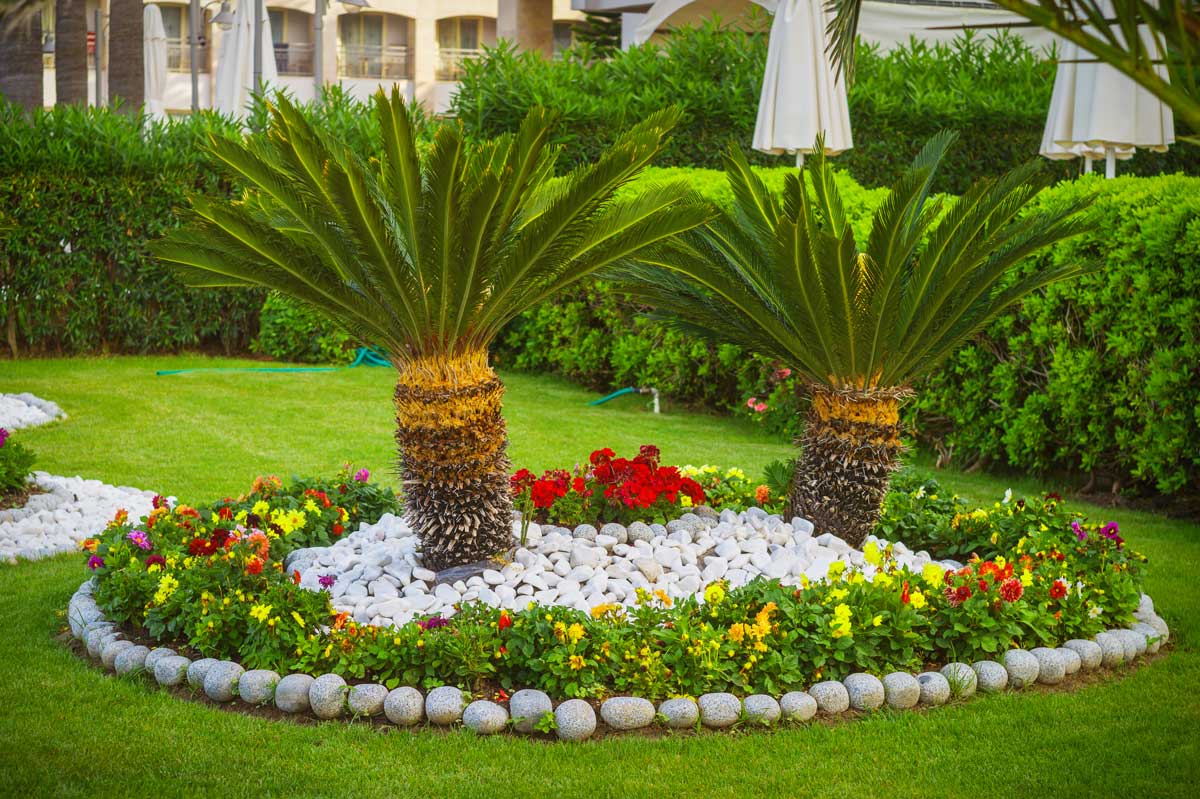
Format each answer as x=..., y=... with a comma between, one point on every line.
x=90, y=544
x=339, y=621
x=505, y=621
x=296, y=577
x=120, y=517
x=762, y=494
x=255, y=566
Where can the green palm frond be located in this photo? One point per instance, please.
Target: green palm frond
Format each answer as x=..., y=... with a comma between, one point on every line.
x=424, y=257
x=851, y=316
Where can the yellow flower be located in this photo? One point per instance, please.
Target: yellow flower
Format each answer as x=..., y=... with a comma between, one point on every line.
x=260, y=612
x=560, y=630
x=838, y=593
x=166, y=586
x=878, y=620
x=883, y=580
x=310, y=506
x=299, y=619
x=714, y=594
x=842, y=612
x=917, y=600
x=835, y=569
x=600, y=610
x=663, y=598
x=933, y=575
x=577, y=662
x=737, y=632
x=575, y=633
x=872, y=555
x=759, y=646
x=1026, y=579
x=260, y=509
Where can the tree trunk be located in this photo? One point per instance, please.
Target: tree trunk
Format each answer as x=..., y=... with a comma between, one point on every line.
x=454, y=460
x=126, y=56
x=21, y=62
x=70, y=52
x=850, y=447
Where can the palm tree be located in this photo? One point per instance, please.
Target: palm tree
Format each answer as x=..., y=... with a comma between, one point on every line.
x=1108, y=29
x=21, y=58
x=785, y=277
x=70, y=52
x=429, y=259
x=126, y=55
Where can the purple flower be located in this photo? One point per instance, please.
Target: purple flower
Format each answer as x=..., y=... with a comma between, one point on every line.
x=139, y=537
x=1078, y=530
x=3, y=436
x=1109, y=531
x=95, y=562
x=327, y=580
x=362, y=475
x=433, y=623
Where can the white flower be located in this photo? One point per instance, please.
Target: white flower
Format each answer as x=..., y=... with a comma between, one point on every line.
x=920, y=492
x=1094, y=611
x=1007, y=496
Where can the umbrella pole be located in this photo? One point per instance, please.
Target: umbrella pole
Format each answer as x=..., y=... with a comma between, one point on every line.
x=799, y=159
x=1087, y=165
x=1110, y=163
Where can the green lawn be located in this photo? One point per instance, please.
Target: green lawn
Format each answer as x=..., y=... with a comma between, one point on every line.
x=67, y=729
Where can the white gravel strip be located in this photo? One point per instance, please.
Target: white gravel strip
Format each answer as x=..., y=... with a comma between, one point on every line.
x=71, y=510
x=377, y=576
x=26, y=410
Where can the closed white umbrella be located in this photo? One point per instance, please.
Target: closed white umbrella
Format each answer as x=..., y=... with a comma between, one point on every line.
x=235, y=63
x=800, y=96
x=1096, y=112
x=154, y=50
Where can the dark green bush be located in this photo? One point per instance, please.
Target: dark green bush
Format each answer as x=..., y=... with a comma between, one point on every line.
x=16, y=461
x=287, y=331
x=1100, y=375
x=995, y=92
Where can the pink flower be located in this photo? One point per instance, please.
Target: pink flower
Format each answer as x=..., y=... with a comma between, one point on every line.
x=95, y=562
x=783, y=374
x=751, y=402
x=759, y=407
x=362, y=475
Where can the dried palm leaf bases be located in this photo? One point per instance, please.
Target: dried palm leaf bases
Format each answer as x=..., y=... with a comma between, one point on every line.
x=785, y=277
x=429, y=257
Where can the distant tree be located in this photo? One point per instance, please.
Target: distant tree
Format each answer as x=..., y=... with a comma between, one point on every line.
x=601, y=31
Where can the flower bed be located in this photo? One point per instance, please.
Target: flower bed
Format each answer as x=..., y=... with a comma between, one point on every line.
x=216, y=583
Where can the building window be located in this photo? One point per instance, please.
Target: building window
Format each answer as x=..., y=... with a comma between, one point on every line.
x=372, y=45
x=459, y=39
x=564, y=36
x=291, y=33
x=177, y=25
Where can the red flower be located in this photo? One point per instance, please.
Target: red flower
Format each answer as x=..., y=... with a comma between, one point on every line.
x=255, y=566
x=201, y=546
x=983, y=586
x=601, y=456
x=520, y=481
x=543, y=493
x=505, y=621
x=296, y=577
x=219, y=537
x=338, y=529
x=957, y=596
x=649, y=452
x=504, y=651
x=225, y=513
x=1058, y=590
x=1011, y=589
x=155, y=560
x=904, y=596
x=578, y=485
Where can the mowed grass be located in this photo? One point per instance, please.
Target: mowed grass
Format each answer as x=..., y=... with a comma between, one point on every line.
x=66, y=729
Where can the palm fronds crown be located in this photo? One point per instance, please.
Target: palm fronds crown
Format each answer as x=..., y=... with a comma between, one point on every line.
x=786, y=277
x=430, y=256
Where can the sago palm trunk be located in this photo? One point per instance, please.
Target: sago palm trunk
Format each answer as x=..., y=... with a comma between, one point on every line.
x=453, y=457
x=849, y=448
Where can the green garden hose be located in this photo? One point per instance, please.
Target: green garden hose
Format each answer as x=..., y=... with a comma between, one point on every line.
x=364, y=357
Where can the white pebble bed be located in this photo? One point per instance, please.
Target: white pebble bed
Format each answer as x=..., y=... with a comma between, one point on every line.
x=378, y=576
x=18, y=411
x=70, y=510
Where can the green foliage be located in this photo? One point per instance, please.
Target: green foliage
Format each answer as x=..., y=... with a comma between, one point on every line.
x=16, y=460
x=994, y=91
x=288, y=331
x=1097, y=376
x=426, y=257
x=786, y=276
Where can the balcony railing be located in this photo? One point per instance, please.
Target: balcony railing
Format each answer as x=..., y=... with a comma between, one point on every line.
x=450, y=61
x=374, y=61
x=294, y=58
x=179, y=56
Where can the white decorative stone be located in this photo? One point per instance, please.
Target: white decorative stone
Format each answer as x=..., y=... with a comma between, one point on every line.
x=901, y=690
x=404, y=706
x=719, y=710
x=831, y=696
x=991, y=677
x=680, y=713
x=961, y=678
x=935, y=688
x=627, y=712
x=865, y=691
x=761, y=709
x=221, y=680
x=291, y=693
x=257, y=686
x=797, y=706
x=1112, y=649
x=1071, y=660
x=1091, y=656
x=327, y=696
x=527, y=707
x=574, y=720
x=444, y=705
x=1052, y=669
x=130, y=660
x=366, y=699
x=484, y=717
x=1022, y=668
x=171, y=671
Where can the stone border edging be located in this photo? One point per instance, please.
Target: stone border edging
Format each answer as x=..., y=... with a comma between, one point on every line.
x=329, y=697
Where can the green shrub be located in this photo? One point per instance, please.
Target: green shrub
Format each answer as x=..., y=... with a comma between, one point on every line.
x=287, y=331
x=16, y=461
x=1099, y=375
x=994, y=91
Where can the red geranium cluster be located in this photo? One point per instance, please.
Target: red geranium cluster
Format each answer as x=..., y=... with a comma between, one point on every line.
x=631, y=488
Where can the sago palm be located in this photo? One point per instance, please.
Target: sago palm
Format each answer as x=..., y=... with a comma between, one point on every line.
x=785, y=277
x=429, y=258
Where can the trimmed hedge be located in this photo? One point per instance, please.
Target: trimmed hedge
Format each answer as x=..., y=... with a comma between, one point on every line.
x=1100, y=375
x=995, y=92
